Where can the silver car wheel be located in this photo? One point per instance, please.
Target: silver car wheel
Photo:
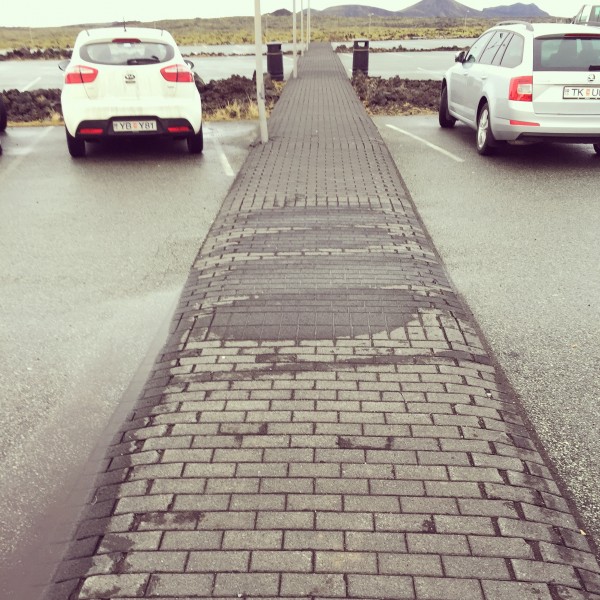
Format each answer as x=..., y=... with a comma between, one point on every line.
x=482, y=127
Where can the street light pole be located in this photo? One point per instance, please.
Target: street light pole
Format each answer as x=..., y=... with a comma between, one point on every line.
x=302, y=27
x=260, y=81
x=308, y=32
x=295, y=71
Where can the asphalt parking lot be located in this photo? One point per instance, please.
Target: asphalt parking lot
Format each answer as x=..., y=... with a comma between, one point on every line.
x=518, y=233
x=93, y=255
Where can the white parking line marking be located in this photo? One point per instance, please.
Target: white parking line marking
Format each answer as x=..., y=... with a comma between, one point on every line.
x=22, y=153
x=30, y=84
x=433, y=146
x=223, y=158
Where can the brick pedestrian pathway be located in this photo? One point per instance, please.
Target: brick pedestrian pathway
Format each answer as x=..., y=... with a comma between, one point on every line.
x=325, y=421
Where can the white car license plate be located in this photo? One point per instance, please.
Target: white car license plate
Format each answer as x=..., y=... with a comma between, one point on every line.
x=582, y=93
x=133, y=126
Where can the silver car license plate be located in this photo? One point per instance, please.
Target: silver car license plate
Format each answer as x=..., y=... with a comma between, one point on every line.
x=587, y=92
x=133, y=126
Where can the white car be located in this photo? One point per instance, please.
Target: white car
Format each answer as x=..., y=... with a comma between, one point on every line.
x=527, y=82
x=126, y=81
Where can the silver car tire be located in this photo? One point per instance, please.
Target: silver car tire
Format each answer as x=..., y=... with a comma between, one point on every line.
x=445, y=119
x=486, y=143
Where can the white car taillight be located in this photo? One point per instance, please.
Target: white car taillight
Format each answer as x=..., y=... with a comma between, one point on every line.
x=521, y=89
x=81, y=74
x=177, y=74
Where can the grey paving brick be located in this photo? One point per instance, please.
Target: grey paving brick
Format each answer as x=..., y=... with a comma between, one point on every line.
x=191, y=540
x=345, y=562
x=403, y=523
x=411, y=564
x=252, y=540
x=394, y=587
x=427, y=543
x=313, y=540
x=527, y=530
x=483, y=568
x=500, y=547
x=315, y=502
x=201, y=502
x=154, y=562
x=314, y=584
x=237, y=585
x=345, y=521
x=529, y=570
x=568, y=556
x=180, y=585
x=462, y=524
x=116, y=586
x=226, y=520
x=130, y=541
x=490, y=508
x=257, y=502
x=283, y=561
x=509, y=590
x=371, y=503
x=417, y=504
x=285, y=520
x=218, y=561
x=377, y=541
x=436, y=588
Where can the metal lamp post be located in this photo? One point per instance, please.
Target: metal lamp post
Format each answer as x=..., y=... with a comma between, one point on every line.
x=295, y=70
x=260, y=82
x=308, y=32
x=302, y=27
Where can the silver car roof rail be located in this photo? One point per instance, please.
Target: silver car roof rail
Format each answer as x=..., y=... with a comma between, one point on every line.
x=527, y=24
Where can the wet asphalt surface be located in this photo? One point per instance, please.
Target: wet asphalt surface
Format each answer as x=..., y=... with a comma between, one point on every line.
x=93, y=254
x=520, y=249
x=518, y=233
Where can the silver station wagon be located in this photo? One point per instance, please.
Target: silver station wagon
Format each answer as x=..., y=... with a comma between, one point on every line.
x=526, y=82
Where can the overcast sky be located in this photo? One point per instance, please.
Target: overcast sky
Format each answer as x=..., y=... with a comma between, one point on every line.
x=43, y=13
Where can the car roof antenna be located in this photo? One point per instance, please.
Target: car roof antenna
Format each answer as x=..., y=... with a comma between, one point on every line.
x=124, y=25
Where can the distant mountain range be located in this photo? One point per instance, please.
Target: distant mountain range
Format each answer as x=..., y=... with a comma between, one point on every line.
x=432, y=8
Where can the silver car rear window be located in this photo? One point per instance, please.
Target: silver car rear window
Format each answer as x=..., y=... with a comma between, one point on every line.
x=573, y=53
x=127, y=52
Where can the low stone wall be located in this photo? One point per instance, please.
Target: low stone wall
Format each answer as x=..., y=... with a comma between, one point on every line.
x=397, y=96
x=380, y=96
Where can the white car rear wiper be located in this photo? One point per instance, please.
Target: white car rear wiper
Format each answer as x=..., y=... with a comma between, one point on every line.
x=143, y=61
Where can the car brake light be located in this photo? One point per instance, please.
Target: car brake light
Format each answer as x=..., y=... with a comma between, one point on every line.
x=524, y=123
x=91, y=131
x=177, y=73
x=81, y=74
x=521, y=89
x=126, y=41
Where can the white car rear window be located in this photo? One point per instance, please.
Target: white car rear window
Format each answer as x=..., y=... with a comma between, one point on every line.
x=128, y=52
x=571, y=53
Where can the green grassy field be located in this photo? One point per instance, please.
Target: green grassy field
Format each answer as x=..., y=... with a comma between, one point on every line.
x=240, y=30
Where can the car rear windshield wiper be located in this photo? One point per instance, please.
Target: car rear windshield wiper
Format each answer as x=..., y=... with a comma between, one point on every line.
x=143, y=61
x=594, y=68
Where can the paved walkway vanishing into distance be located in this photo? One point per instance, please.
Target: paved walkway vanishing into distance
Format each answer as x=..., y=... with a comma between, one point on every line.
x=325, y=420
